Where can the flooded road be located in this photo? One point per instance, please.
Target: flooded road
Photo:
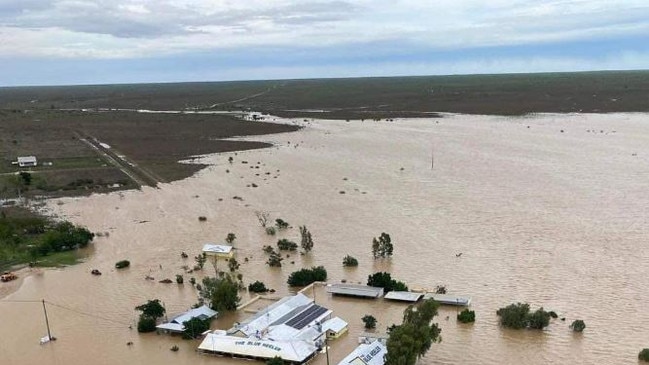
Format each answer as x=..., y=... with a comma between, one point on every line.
x=551, y=210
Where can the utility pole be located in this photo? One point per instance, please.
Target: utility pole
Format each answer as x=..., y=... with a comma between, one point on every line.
x=327, y=348
x=47, y=322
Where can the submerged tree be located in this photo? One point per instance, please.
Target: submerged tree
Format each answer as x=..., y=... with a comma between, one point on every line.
x=382, y=246
x=230, y=238
x=262, y=217
x=222, y=293
x=414, y=337
x=306, y=239
x=152, y=309
x=369, y=321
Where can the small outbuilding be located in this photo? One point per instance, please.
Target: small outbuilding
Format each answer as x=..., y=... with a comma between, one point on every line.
x=334, y=327
x=177, y=323
x=219, y=251
x=449, y=299
x=27, y=161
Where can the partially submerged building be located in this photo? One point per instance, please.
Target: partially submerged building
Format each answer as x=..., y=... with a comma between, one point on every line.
x=176, y=324
x=291, y=328
x=366, y=354
x=449, y=299
x=354, y=290
x=218, y=251
x=404, y=296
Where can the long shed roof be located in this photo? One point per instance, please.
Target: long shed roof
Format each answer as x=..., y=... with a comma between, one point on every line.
x=355, y=290
x=405, y=296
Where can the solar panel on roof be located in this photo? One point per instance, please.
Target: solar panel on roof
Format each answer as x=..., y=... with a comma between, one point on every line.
x=301, y=320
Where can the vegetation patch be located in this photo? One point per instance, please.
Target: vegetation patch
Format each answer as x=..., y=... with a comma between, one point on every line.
x=349, y=261
x=466, y=316
x=305, y=277
x=122, y=264
x=384, y=280
x=518, y=316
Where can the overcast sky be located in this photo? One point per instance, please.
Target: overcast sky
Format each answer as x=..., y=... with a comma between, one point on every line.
x=44, y=42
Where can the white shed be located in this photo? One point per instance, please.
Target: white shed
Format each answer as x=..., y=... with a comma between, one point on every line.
x=27, y=161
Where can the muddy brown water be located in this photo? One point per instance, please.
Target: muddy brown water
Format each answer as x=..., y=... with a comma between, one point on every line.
x=556, y=219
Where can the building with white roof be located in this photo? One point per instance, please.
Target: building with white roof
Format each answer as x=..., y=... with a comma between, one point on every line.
x=334, y=327
x=219, y=251
x=291, y=328
x=27, y=161
x=366, y=354
x=176, y=323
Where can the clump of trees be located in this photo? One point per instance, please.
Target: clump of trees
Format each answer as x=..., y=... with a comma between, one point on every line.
x=179, y=279
x=233, y=264
x=195, y=327
x=200, y=261
x=466, y=316
x=221, y=293
x=644, y=355
x=62, y=236
x=414, y=337
x=122, y=264
x=274, y=259
x=230, y=238
x=281, y=224
x=286, y=245
x=518, y=316
x=306, y=240
x=349, y=261
x=271, y=231
x=578, y=325
x=151, y=311
x=257, y=287
x=369, y=321
x=305, y=277
x=384, y=280
x=382, y=246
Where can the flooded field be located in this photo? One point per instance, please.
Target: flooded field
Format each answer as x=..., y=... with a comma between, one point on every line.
x=552, y=210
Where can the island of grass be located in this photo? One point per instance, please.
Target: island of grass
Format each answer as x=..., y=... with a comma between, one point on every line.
x=29, y=238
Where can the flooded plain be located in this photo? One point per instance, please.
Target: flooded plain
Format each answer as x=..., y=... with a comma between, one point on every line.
x=551, y=210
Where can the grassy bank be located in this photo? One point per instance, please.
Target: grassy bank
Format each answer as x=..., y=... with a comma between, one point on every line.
x=26, y=237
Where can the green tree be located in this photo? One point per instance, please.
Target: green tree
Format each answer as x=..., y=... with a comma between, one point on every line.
x=578, y=325
x=286, y=245
x=152, y=309
x=306, y=239
x=233, y=264
x=466, y=316
x=257, y=287
x=281, y=224
x=275, y=361
x=518, y=316
x=179, y=279
x=305, y=277
x=274, y=260
x=414, y=337
x=349, y=261
x=644, y=355
x=539, y=319
x=384, y=280
x=369, y=321
x=146, y=324
x=382, y=246
x=230, y=238
x=200, y=260
x=26, y=178
x=221, y=293
x=195, y=327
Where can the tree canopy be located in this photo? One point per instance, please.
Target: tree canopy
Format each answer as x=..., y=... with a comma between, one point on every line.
x=518, y=316
x=306, y=239
x=305, y=277
x=152, y=309
x=414, y=337
x=221, y=293
x=382, y=246
x=384, y=280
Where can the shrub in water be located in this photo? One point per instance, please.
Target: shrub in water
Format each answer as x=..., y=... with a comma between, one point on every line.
x=578, y=325
x=466, y=316
x=122, y=264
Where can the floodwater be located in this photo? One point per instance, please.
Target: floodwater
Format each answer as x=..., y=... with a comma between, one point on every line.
x=556, y=219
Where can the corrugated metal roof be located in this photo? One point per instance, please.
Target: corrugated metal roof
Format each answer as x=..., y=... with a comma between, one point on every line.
x=295, y=351
x=176, y=323
x=355, y=290
x=405, y=296
x=368, y=354
x=448, y=299
x=335, y=324
x=272, y=314
x=218, y=249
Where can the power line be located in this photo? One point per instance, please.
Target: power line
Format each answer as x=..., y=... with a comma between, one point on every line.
x=68, y=309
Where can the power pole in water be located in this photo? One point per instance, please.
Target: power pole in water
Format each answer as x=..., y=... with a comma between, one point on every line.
x=47, y=322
